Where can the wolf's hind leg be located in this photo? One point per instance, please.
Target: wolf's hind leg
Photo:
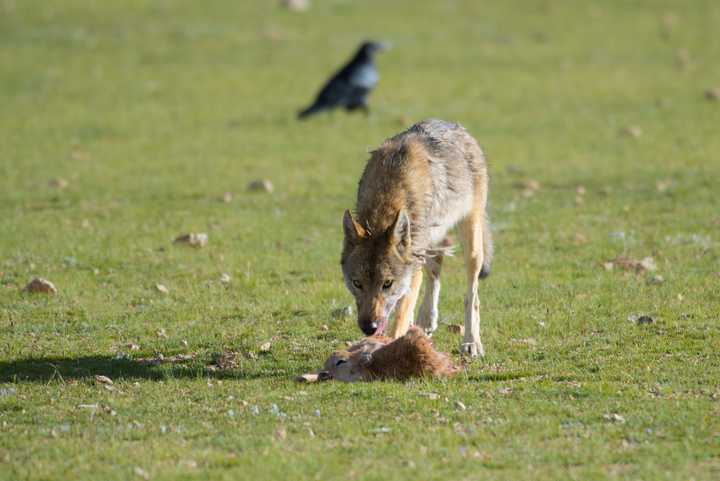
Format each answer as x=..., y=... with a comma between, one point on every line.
x=428, y=314
x=406, y=308
x=471, y=229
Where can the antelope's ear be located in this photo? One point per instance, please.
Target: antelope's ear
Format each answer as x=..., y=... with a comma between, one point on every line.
x=365, y=358
x=353, y=231
x=400, y=233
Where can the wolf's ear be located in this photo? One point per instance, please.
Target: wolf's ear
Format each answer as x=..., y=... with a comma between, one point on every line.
x=400, y=233
x=353, y=231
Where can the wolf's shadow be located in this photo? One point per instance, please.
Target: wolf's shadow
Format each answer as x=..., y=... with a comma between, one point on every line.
x=45, y=369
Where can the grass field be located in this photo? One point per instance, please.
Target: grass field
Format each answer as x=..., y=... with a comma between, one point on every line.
x=149, y=111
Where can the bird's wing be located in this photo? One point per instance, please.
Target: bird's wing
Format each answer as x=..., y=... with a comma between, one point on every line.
x=335, y=91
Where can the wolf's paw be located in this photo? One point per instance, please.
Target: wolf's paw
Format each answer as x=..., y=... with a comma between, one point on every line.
x=472, y=349
x=428, y=321
x=428, y=328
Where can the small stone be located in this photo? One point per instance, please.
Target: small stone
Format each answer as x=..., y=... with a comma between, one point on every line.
x=265, y=346
x=580, y=190
x=181, y=358
x=648, y=264
x=162, y=289
x=7, y=391
x=630, y=264
x=528, y=187
x=103, y=380
x=261, y=185
x=530, y=184
x=342, y=312
x=161, y=333
x=58, y=183
x=199, y=239
x=456, y=329
x=632, y=131
x=296, y=5
x=614, y=418
x=644, y=320
x=133, y=346
x=663, y=185
x=308, y=378
x=40, y=285
x=325, y=328
x=713, y=94
x=460, y=406
x=184, y=343
x=141, y=473
x=225, y=278
x=227, y=197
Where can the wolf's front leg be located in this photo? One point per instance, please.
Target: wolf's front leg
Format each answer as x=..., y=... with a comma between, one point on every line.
x=472, y=345
x=428, y=315
x=406, y=308
x=472, y=240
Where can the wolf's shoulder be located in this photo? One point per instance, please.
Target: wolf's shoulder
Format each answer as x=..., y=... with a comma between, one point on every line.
x=436, y=129
x=434, y=133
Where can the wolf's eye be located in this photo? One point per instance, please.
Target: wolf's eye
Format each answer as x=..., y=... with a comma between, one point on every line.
x=340, y=361
x=387, y=284
x=357, y=284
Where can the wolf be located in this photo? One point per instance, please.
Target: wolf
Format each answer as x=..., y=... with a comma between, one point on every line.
x=415, y=188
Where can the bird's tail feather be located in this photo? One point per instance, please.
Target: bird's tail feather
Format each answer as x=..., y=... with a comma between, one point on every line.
x=313, y=109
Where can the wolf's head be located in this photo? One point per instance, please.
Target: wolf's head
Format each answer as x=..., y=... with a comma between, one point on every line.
x=377, y=267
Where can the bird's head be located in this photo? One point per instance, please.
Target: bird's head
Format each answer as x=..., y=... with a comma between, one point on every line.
x=370, y=48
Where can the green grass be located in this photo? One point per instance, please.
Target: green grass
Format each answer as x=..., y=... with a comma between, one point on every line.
x=151, y=110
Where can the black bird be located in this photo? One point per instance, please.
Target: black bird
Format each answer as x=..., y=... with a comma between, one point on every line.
x=350, y=86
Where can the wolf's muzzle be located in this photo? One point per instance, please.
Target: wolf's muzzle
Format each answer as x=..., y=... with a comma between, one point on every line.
x=369, y=328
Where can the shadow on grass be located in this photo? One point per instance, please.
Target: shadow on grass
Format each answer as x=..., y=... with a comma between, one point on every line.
x=44, y=369
x=506, y=376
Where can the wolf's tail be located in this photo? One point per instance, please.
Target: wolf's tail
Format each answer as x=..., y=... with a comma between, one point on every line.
x=487, y=247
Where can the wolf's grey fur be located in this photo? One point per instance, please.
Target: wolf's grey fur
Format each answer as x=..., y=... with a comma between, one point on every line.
x=457, y=165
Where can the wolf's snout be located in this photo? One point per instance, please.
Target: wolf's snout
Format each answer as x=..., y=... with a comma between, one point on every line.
x=369, y=327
